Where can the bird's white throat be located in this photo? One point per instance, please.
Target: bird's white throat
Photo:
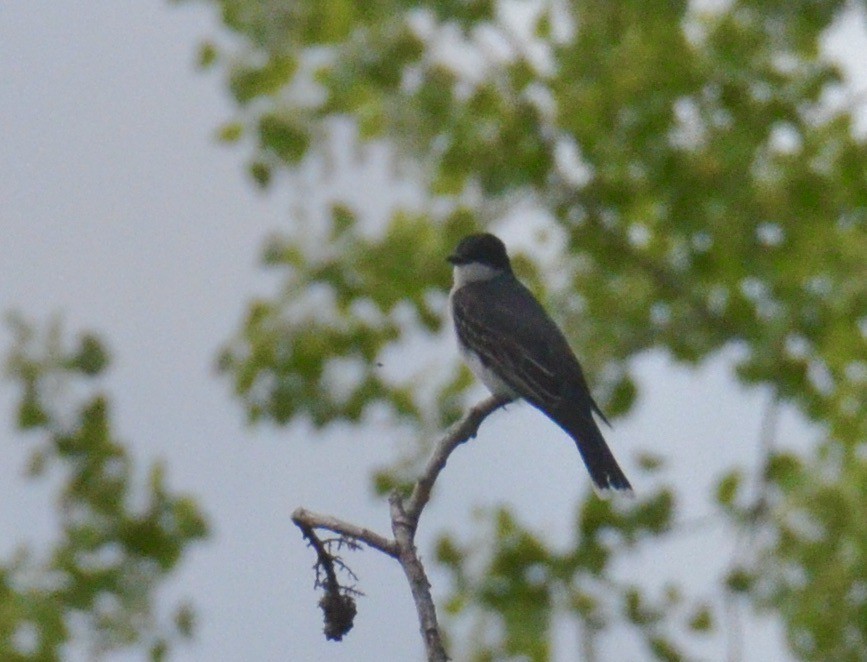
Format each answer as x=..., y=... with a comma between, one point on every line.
x=472, y=272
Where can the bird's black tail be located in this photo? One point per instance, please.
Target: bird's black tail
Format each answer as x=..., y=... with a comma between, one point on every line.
x=606, y=474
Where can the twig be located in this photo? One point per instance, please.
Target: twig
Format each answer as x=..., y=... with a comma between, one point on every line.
x=405, y=515
x=767, y=445
x=324, y=559
x=304, y=518
x=460, y=432
x=338, y=602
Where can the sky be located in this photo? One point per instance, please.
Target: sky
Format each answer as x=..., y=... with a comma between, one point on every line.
x=122, y=213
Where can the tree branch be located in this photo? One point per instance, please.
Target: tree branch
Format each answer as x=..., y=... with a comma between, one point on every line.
x=460, y=432
x=404, y=534
x=405, y=515
x=304, y=518
x=338, y=602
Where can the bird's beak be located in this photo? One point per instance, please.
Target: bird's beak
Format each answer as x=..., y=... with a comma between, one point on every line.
x=453, y=259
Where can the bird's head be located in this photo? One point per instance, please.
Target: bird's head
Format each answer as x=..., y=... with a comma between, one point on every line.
x=479, y=257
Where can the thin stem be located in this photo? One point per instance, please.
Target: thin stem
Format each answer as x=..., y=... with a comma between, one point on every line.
x=767, y=444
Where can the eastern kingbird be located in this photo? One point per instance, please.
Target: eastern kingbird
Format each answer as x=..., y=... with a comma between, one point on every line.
x=513, y=346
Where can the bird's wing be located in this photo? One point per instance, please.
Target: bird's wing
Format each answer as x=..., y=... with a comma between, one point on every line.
x=512, y=334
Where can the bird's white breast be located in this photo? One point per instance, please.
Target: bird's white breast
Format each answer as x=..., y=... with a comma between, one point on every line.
x=468, y=273
x=487, y=376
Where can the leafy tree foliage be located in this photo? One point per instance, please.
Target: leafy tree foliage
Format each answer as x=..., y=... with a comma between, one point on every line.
x=94, y=592
x=702, y=183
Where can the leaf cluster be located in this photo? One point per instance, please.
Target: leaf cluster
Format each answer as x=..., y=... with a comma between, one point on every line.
x=116, y=543
x=700, y=193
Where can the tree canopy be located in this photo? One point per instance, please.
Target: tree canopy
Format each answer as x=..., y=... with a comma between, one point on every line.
x=693, y=182
x=696, y=171
x=93, y=592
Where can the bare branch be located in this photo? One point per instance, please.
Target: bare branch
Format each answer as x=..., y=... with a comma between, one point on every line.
x=404, y=534
x=337, y=603
x=306, y=518
x=404, y=522
x=460, y=432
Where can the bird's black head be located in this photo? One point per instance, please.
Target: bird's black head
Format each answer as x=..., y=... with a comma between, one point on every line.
x=483, y=248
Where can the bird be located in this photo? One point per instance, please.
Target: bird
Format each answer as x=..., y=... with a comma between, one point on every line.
x=518, y=352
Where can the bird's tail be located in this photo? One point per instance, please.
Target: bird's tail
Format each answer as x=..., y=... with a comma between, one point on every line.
x=606, y=474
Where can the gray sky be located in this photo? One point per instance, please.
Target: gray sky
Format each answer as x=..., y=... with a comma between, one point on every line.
x=120, y=211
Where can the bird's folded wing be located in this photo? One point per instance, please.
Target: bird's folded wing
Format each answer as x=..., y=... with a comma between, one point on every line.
x=506, y=345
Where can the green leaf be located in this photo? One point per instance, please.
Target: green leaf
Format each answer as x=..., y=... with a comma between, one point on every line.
x=785, y=470
x=663, y=649
x=261, y=174
x=739, y=580
x=247, y=83
x=727, y=488
x=30, y=411
x=286, y=138
x=651, y=462
x=231, y=132
x=701, y=620
x=92, y=357
x=448, y=553
x=207, y=55
x=622, y=397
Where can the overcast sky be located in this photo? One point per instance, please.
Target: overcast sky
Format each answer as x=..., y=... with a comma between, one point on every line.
x=121, y=212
